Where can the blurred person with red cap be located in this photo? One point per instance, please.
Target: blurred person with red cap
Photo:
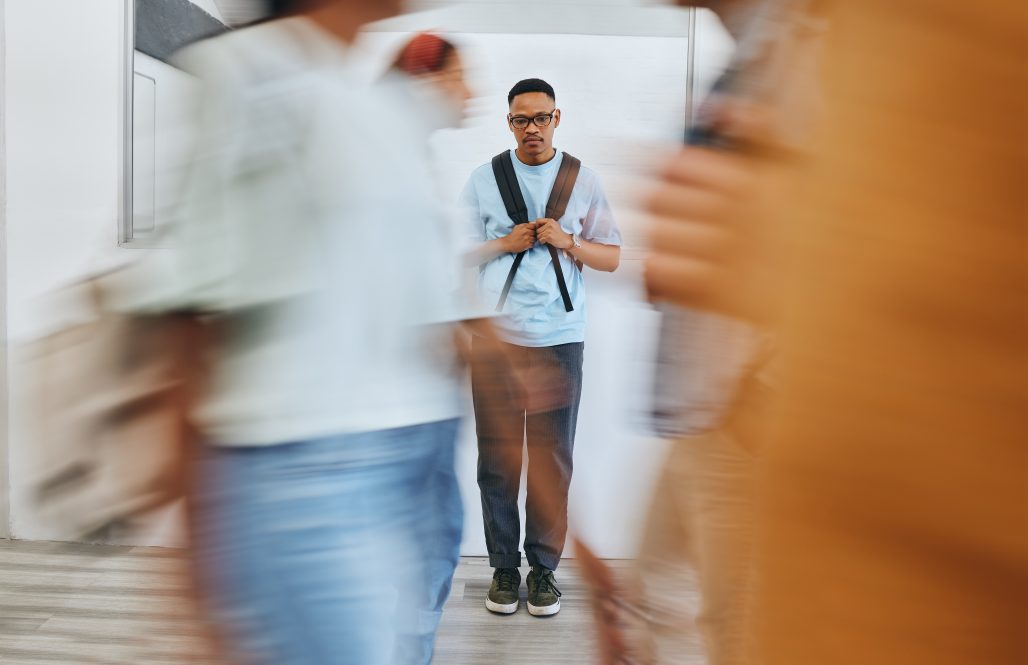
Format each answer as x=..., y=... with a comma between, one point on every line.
x=435, y=63
x=427, y=77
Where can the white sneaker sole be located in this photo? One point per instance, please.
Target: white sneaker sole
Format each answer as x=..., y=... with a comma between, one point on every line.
x=501, y=609
x=546, y=611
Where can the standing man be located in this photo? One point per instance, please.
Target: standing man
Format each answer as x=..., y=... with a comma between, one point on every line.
x=537, y=216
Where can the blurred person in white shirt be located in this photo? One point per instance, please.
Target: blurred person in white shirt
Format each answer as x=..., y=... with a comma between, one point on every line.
x=311, y=239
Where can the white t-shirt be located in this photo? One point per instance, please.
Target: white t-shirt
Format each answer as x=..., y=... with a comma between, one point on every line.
x=311, y=225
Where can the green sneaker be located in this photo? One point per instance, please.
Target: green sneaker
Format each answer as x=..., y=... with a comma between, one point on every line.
x=503, y=592
x=543, y=594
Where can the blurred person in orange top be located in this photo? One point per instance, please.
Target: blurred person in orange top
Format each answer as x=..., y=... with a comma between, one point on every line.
x=714, y=367
x=895, y=486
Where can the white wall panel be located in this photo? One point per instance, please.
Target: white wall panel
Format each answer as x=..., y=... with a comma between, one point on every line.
x=163, y=142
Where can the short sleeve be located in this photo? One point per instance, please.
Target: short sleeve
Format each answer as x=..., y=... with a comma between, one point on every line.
x=599, y=225
x=471, y=214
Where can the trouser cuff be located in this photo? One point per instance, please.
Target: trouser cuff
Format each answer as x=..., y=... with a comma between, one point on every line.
x=550, y=561
x=505, y=560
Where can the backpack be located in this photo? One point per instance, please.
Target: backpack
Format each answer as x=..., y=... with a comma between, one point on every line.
x=517, y=210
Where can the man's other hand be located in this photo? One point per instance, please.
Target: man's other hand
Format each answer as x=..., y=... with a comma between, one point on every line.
x=549, y=232
x=521, y=238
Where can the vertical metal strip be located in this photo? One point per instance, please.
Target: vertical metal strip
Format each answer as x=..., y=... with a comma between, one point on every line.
x=127, y=92
x=5, y=484
x=690, y=72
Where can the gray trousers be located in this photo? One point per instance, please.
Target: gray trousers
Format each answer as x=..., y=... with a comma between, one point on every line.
x=504, y=424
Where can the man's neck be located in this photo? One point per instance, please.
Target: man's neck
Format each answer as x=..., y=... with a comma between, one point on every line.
x=537, y=160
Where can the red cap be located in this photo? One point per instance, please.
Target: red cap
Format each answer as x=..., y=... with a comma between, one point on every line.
x=424, y=54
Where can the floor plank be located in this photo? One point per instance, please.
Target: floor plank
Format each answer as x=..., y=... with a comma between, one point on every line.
x=96, y=605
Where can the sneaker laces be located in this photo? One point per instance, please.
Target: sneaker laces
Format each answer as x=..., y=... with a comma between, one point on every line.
x=507, y=579
x=547, y=584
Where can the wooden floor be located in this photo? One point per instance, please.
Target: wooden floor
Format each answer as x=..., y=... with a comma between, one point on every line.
x=82, y=604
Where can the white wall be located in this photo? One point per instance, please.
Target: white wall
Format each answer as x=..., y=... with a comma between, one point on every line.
x=62, y=113
x=64, y=70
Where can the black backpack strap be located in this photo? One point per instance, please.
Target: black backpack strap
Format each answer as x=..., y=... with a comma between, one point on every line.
x=556, y=206
x=517, y=210
x=567, y=176
x=510, y=191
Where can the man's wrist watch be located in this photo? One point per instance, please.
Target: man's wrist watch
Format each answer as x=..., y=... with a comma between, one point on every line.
x=576, y=242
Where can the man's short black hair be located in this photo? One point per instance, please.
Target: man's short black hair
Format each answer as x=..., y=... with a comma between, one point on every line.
x=530, y=85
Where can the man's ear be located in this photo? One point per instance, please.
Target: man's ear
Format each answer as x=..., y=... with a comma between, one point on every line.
x=556, y=119
x=510, y=126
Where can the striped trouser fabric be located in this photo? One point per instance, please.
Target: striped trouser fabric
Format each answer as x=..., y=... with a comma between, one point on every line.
x=532, y=399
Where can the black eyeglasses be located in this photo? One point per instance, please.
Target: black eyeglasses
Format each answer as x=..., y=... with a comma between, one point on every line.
x=541, y=120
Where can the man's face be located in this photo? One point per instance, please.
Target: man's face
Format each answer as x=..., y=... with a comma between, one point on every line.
x=534, y=139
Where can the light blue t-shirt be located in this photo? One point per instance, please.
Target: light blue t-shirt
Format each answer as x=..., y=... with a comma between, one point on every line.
x=534, y=313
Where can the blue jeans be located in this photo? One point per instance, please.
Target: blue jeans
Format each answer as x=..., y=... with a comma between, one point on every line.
x=333, y=551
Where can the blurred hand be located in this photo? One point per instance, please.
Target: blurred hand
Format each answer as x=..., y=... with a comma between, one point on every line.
x=543, y=389
x=710, y=243
x=521, y=238
x=618, y=625
x=539, y=388
x=549, y=232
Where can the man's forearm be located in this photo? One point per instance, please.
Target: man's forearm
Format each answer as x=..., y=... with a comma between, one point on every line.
x=597, y=256
x=486, y=252
x=593, y=254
